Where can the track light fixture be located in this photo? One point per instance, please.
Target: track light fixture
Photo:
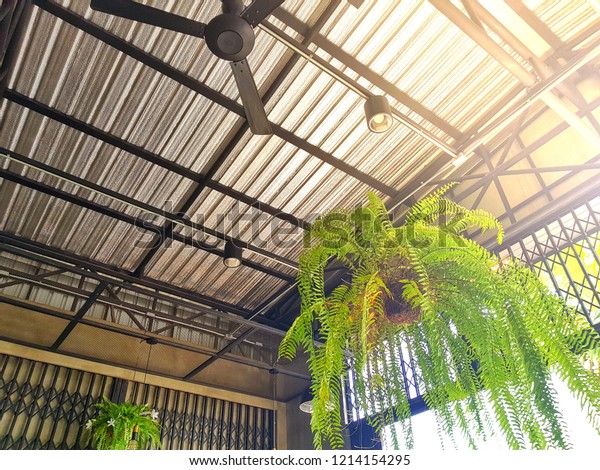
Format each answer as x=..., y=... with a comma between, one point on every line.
x=378, y=113
x=232, y=257
x=306, y=402
x=459, y=159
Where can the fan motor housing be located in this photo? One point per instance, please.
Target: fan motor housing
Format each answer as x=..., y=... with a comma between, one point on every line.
x=229, y=37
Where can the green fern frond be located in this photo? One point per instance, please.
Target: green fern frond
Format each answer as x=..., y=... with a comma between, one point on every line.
x=474, y=334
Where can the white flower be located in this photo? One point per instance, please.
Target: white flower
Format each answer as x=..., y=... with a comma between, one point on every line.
x=154, y=415
x=88, y=424
x=111, y=422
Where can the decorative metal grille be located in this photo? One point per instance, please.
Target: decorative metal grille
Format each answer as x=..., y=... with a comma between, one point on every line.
x=43, y=406
x=565, y=254
x=192, y=421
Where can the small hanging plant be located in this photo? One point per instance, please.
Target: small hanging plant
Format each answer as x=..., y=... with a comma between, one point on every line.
x=483, y=338
x=121, y=426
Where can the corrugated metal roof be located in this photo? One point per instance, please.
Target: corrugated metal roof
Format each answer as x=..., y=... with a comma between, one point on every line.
x=409, y=44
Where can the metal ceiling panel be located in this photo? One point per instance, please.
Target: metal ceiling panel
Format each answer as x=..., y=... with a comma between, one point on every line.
x=205, y=273
x=61, y=147
x=47, y=220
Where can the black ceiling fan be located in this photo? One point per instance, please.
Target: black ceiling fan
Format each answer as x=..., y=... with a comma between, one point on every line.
x=230, y=36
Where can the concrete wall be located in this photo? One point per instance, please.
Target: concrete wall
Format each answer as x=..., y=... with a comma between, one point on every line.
x=299, y=435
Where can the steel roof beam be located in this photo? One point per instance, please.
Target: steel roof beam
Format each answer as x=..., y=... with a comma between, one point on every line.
x=146, y=155
x=527, y=78
x=130, y=220
x=175, y=218
x=130, y=309
x=79, y=315
x=576, y=196
x=517, y=157
x=146, y=286
x=354, y=86
x=477, y=137
x=136, y=334
x=35, y=277
x=535, y=23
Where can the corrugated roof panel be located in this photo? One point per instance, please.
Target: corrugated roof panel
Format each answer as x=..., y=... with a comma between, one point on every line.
x=61, y=147
x=404, y=58
x=205, y=273
x=41, y=218
x=238, y=220
x=565, y=22
x=277, y=174
x=140, y=112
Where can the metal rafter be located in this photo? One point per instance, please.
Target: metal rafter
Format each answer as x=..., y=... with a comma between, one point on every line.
x=519, y=156
x=575, y=196
x=117, y=277
x=79, y=315
x=130, y=220
x=483, y=177
x=353, y=85
x=527, y=78
x=242, y=337
x=175, y=218
x=134, y=334
x=162, y=67
x=487, y=130
x=535, y=23
x=483, y=152
x=145, y=286
x=146, y=155
x=35, y=277
x=130, y=309
x=228, y=150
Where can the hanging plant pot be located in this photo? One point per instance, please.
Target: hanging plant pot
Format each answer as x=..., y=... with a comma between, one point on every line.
x=122, y=426
x=477, y=333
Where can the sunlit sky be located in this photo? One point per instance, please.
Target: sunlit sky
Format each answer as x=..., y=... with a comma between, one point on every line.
x=581, y=434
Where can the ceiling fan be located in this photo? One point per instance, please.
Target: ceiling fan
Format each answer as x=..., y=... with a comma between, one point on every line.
x=229, y=36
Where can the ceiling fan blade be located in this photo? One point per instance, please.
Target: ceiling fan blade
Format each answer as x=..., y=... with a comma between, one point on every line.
x=255, y=111
x=258, y=10
x=149, y=15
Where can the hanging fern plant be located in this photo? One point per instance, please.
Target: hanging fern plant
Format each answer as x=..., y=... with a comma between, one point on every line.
x=483, y=338
x=122, y=426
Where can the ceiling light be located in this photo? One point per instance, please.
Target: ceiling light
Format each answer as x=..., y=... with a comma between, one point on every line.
x=378, y=113
x=306, y=403
x=232, y=256
x=459, y=159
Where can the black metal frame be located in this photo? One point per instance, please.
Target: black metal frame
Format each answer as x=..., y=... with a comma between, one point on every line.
x=23, y=8
x=37, y=396
x=548, y=248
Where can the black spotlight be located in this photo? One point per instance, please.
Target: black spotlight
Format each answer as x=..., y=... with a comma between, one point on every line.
x=306, y=404
x=378, y=114
x=232, y=257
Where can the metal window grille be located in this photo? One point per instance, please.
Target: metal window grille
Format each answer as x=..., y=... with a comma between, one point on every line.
x=43, y=406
